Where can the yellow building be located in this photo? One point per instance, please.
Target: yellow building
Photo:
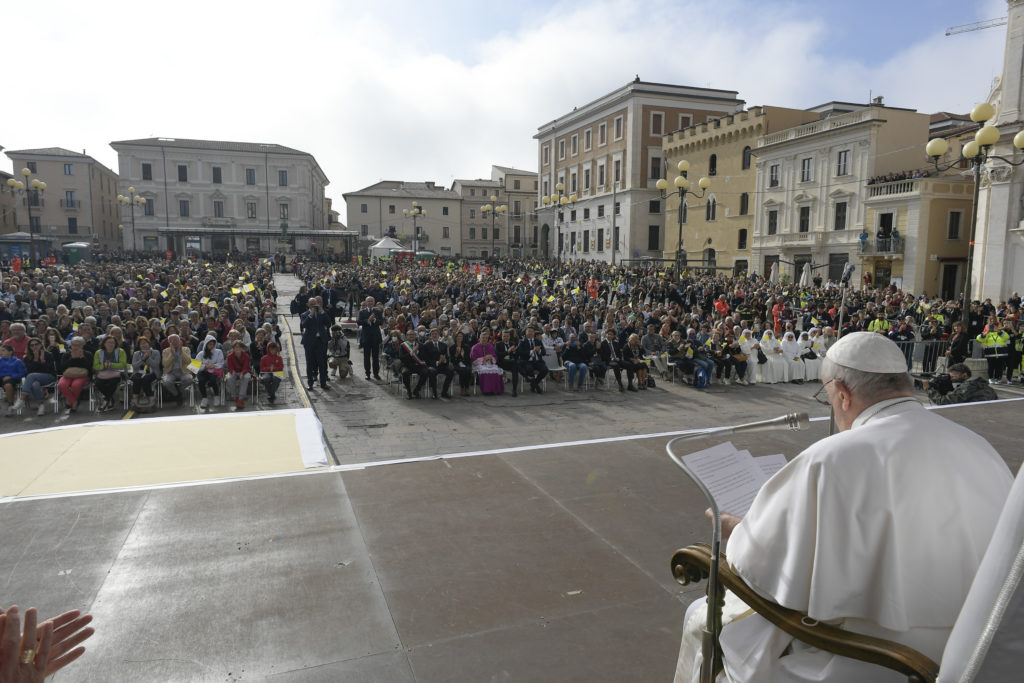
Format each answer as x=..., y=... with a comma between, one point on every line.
x=931, y=217
x=715, y=230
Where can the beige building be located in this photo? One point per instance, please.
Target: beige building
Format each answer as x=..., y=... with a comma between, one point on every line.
x=8, y=206
x=378, y=211
x=717, y=227
x=810, y=188
x=204, y=196
x=609, y=154
x=931, y=216
x=483, y=233
x=80, y=201
x=521, y=219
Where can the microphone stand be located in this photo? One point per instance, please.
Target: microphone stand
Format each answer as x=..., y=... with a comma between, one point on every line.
x=844, y=284
x=711, y=652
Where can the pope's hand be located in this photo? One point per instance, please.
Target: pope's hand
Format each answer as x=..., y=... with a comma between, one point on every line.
x=729, y=522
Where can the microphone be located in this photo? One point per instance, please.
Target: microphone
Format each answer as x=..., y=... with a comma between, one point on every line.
x=709, y=638
x=847, y=273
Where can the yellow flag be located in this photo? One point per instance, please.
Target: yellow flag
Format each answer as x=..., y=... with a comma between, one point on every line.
x=551, y=298
x=195, y=365
x=205, y=300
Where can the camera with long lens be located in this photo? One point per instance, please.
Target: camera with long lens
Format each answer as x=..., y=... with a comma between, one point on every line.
x=941, y=383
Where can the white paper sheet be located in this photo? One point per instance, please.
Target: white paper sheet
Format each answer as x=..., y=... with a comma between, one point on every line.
x=770, y=464
x=732, y=476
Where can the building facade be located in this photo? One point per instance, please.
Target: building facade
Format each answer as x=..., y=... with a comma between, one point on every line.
x=609, y=154
x=998, y=268
x=810, y=198
x=521, y=223
x=8, y=206
x=207, y=196
x=378, y=211
x=717, y=229
x=483, y=232
x=79, y=204
x=930, y=218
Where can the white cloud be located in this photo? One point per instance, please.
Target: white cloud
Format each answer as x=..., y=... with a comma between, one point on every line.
x=372, y=102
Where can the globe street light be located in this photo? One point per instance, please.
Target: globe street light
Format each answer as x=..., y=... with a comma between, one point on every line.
x=416, y=211
x=559, y=201
x=682, y=185
x=131, y=200
x=31, y=197
x=977, y=153
x=492, y=209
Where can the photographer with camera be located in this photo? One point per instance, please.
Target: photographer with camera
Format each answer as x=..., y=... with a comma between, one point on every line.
x=958, y=387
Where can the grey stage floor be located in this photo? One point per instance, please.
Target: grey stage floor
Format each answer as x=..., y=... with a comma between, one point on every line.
x=537, y=565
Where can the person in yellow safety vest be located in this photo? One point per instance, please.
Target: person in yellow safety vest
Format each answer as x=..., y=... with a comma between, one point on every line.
x=879, y=324
x=995, y=344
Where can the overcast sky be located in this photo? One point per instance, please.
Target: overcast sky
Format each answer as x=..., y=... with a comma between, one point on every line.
x=412, y=90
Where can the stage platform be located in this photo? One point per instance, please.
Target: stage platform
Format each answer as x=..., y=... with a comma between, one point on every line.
x=529, y=563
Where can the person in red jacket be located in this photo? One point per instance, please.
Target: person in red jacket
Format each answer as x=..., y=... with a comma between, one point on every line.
x=270, y=363
x=237, y=380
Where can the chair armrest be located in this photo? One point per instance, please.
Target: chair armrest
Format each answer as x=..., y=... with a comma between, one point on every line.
x=692, y=564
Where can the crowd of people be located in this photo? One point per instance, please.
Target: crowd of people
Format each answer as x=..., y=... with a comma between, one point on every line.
x=902, y=175
x=147, y=330
x=434, y=323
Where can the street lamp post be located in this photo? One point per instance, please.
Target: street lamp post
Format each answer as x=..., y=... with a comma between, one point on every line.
x=37, y=186
x=493, y=210
x=416, y=211
x=560, y=202
x=131, y=200
x=682, y=185
x=977, y=153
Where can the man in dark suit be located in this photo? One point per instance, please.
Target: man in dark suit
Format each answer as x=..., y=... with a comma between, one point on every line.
x=530, y=354
x=506, y=354
x=409, y=353
x=611, y=356
x=370, y=318
x=334, y=300
x=316, y=332
x=434, y=353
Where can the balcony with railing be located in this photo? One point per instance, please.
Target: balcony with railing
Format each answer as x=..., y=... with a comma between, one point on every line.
x=71, y=204
x=896, y=188
x=883, y=245
x=219, y=222
x=823, y=126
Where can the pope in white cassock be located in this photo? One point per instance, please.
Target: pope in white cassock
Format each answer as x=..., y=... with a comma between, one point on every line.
x=878, y=529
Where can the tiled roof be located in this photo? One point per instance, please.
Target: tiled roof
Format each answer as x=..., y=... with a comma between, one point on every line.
x=398, y=188
x=47, y=152
x=218, y=145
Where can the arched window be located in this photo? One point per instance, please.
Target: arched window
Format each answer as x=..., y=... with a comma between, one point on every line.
x=744, y=203
x=746, y=158
x=710, y=209
x=713, y=165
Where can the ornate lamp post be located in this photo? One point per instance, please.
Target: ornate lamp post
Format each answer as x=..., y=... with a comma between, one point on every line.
x=31, y=197
x=131, y=200
x=493, y=210
x=560, y=202
x=977, y=153
x=682, y=185
x=416, y=211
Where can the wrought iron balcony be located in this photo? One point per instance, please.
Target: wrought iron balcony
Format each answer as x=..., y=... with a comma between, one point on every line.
x=71, y=205
x=885, y=245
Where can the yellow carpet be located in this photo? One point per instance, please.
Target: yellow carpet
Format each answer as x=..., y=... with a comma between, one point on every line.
x=158, y=451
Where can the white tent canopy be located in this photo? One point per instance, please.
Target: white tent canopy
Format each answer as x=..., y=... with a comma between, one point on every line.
x=384, y=247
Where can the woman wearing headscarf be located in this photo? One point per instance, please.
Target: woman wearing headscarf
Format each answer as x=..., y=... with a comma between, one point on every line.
x=812, y=366
x=791, y=352
x=776, y=369
x=749, y=346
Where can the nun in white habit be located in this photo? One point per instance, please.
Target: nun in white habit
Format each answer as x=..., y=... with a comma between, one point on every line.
x=879, y=528
x=812, y=366
x=749, y=346
x=791, y=352
x=776, y=369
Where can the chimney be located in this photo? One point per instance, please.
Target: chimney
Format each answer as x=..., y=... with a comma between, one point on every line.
x=877, y=101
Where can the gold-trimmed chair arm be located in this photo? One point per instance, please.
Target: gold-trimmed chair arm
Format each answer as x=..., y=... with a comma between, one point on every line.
x=691, y=565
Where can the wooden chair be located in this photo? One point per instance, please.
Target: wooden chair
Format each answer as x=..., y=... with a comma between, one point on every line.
x=984, y=645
